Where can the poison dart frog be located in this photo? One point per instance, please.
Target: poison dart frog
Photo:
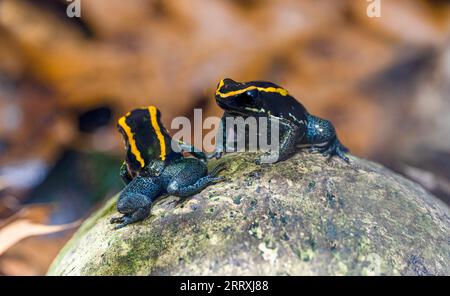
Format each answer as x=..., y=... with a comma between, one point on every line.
x=153, y=168
x=297, y=127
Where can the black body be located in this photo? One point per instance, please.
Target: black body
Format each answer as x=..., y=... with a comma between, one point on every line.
x=298, y=128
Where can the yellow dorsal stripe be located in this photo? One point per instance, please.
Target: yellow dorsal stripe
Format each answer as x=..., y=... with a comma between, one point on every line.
x=155, y=125
x=221, y=83
x=131, y=141
x=279, y=90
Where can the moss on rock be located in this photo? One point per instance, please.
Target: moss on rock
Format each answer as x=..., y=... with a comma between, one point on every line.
x=303, y=216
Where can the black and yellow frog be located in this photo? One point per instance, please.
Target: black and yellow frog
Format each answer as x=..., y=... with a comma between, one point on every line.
x=153, y=168
x=297, y=128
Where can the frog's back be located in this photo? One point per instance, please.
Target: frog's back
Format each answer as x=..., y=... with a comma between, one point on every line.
x=286, y=107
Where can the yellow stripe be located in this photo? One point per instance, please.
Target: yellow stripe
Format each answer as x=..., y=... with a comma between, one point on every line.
x=154, y=120
x=131, y=141
x=279, y=90
x=221, y=83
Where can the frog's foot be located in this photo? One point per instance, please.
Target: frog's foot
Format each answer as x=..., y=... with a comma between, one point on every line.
x=126, y=219
x=215, y=154
x=335, y=148
x=134, y=207
x=115, y=220
x=217, y=169
x=176, y=189
x=214, y=180
x=192, y=150
x=199, y=155
x=125, y=222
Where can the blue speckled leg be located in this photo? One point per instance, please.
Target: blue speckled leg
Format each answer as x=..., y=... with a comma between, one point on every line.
x=321, y=135
x=221, y=140
x=139, y=215
x=176, y=189
x=188, y=182
x=136, y=200
x=126, y=178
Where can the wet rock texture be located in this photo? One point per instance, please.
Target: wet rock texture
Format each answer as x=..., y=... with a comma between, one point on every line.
x=303, y=216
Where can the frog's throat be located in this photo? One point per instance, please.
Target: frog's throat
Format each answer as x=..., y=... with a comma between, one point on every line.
x=154, y=120
x=279, y=90
x=134, y=150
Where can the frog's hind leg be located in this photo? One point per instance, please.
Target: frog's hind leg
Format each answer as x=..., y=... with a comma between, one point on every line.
x=321, y=135
x=137, y=216
x=217, y=169
x=180, y=190
x=134, y=207
x=136, y=200
x=336, y=148
x=191, y=181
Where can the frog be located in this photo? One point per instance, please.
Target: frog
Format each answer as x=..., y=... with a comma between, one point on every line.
x=298, y=129
x=155, y=165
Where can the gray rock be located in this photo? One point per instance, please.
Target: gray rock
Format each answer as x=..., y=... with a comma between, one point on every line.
x=303, y=216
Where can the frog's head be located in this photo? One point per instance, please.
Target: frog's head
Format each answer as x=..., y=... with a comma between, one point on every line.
x=248, y=98
x=144, y=135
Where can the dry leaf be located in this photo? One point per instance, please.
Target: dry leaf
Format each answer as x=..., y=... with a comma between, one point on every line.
x=37, y=213
x=33, y=255
x=20, y=229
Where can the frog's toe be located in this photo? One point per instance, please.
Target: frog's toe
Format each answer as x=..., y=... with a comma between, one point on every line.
x=117, y=220
x=215, y=155
x=329, y=151
x=218, y=168
x=341, y=153
x=214, y=180
x=120, y=221
x=121, y=225
x=343, y=149
x=315, y=149
x=137, y=216
x=336, y=150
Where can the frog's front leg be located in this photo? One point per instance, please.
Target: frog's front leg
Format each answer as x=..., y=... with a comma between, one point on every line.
x=221, y=138
x=124, y=175
x=191, y=149
x=135, y=201
x=290, y=135
x=192, y=180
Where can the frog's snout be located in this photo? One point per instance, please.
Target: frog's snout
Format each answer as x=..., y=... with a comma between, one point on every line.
x=228, y=81
x=224, y=84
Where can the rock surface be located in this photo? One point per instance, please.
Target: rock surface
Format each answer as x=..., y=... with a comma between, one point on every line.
x=303, y=216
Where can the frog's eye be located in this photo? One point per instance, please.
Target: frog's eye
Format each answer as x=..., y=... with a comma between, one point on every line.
x=253, y=93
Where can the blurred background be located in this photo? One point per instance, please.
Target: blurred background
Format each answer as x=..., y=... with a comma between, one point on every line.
x=384, y=82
